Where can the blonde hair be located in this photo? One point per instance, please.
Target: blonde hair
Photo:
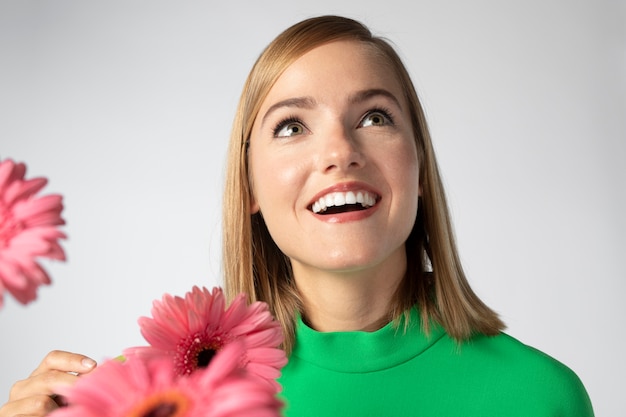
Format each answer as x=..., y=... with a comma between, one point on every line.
x=253, y=264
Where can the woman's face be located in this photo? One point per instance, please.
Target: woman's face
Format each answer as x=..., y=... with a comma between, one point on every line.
x=333, y=162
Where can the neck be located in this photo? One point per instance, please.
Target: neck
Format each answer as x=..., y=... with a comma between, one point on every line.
x=348, y=301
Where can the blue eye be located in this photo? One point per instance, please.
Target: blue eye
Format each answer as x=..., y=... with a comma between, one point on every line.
x=289, y=127
x=376, y=117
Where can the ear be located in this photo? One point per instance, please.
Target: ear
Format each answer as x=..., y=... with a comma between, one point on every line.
x=254, y=206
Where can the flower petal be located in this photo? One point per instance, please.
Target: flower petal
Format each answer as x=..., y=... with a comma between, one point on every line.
x=27, y=231
x=45, y=210
x=10, y=172
x=22, y=189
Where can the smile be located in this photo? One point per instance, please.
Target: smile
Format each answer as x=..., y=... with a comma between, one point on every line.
x=339, y=202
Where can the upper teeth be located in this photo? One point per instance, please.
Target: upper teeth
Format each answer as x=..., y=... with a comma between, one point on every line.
x=364, y=198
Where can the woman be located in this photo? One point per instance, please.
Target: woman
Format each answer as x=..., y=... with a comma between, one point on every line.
x=335, y=215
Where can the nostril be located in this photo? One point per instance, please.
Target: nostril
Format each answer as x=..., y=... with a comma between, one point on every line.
x=352, y=161
x=340, y=151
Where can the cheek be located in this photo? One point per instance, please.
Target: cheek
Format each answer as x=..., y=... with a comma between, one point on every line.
x=408, y=171
x=402, y=165
x=275, y=179
x=403, y=176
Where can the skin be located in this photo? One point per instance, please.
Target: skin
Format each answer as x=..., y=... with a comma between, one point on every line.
x=346, y=265
x=347, y=129
x=34, y=396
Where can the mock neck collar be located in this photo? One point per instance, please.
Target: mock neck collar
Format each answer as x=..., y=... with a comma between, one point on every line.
x=360, y=351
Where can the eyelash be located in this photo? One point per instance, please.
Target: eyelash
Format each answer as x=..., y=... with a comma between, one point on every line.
x=386, y=113
x=289, y=120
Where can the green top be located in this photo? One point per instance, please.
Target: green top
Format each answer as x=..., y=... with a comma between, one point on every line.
x=392, y=373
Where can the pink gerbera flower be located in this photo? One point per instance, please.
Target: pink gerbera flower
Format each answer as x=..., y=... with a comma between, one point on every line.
x=193, y=329
x=28, y=230
x=151, y=388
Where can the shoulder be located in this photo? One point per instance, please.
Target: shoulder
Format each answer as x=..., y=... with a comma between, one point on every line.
x=509, y=350
x=530, y=370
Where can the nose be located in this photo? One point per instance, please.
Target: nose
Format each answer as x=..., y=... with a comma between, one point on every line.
x=340, y=152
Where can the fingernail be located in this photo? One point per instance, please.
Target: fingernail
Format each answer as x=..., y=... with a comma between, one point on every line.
x=88, y=363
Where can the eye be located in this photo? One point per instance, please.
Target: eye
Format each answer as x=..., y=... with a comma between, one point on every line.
x=289, y=127
x=376, y=117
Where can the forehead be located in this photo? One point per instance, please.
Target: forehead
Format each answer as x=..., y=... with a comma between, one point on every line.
x=334, y=68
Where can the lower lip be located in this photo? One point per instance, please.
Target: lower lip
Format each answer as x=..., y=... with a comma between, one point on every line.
x=349, y=216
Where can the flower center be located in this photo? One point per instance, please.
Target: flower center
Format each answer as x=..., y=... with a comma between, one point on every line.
x=162, y=410
x=205, y=356
x=162, y=404
x=196, y=351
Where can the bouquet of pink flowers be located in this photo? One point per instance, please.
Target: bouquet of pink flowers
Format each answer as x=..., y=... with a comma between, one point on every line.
x=204, y=359
x=28, y=231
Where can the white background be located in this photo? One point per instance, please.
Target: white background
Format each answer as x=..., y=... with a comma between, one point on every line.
x=126, y=107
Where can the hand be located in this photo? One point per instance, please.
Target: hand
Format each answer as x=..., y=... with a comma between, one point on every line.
x=35, y=395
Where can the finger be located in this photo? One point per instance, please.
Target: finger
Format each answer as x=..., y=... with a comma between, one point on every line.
x=65, y=361
x=38, y=405
x=41, y=384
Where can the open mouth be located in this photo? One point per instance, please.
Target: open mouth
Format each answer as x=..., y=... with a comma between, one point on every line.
x=343, y=202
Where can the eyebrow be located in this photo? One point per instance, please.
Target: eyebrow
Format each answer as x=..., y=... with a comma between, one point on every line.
x=298, y=102
x=309, y=102
x=364, y=95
